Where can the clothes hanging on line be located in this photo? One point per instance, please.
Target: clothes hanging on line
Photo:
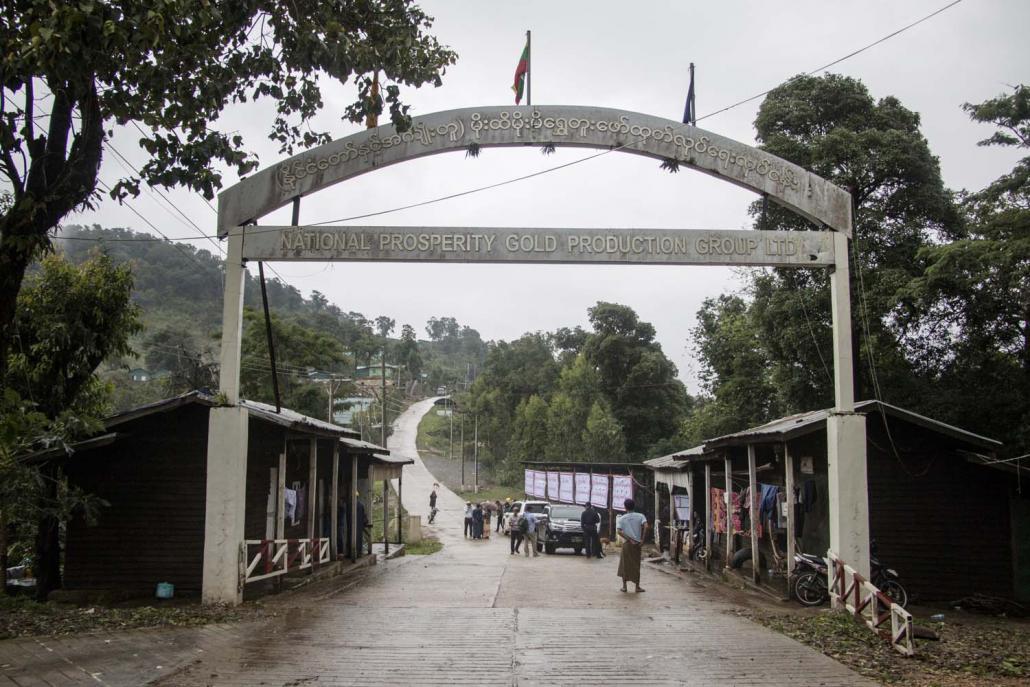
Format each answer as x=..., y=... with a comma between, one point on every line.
x=291, y=505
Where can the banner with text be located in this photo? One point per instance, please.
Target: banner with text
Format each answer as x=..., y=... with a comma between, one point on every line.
x=552, y=485
x=622, y=489
x=530, y=482
x=599, y=490
x=539, y=484
x=582, y=488
x=565, y=487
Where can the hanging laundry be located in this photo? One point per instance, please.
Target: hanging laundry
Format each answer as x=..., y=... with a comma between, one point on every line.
x=291, y=505
x=767, y=505
x=718, y=510
x=302, y=502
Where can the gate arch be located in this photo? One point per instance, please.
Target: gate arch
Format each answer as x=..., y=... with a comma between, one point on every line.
x=561, y=125
x=572, y=126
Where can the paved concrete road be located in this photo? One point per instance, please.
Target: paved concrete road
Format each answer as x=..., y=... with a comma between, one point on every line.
x=475, y=615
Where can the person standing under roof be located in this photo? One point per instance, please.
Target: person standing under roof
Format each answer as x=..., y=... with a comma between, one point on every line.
x=632, y=527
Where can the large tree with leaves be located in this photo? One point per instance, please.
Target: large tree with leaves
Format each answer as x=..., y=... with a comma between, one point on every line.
x=874, y=149
x=71, y=70
x=967, y=315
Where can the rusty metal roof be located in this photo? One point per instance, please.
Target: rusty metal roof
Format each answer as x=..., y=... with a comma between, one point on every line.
x=674, y=461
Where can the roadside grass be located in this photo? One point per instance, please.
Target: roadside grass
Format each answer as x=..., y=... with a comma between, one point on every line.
x=426, y=547
x=973, y=650
x=434, y=433
x=491, y=493
x=21, y=616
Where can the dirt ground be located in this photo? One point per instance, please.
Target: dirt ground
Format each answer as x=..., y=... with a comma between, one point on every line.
x=973, y=651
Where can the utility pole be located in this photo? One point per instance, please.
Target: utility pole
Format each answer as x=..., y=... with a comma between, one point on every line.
x=384, y=396
x=462, y=451
x=450, y=446
x=475, y=449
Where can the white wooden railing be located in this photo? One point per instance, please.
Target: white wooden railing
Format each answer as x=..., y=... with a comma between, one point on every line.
x=870, y=606
x=274, y=557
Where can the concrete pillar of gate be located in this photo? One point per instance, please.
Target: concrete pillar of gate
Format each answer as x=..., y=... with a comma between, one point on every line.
x=845, y=431
x=226, y=492
x=225, y=505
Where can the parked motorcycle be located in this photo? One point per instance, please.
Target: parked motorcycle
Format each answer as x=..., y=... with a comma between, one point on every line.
x=810, y=582
x=697, y=542
x=887, y=579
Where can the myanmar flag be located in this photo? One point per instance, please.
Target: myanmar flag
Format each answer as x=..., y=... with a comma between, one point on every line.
x=520, y=74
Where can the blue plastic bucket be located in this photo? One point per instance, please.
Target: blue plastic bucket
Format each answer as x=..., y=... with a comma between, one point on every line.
x=165, y=590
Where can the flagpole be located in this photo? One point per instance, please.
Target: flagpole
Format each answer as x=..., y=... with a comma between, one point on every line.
x=693, y=99
x=529, y=71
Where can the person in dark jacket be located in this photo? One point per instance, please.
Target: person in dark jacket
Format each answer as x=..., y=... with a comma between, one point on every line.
x=590, y=521
x=477, y=521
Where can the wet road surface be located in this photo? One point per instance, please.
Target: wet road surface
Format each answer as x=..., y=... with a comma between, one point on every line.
x=474, y=615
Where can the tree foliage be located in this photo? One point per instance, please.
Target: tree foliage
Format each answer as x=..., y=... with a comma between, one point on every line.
x=71, y=70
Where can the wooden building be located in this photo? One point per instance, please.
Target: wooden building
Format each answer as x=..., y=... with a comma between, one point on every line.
x=150, y=465
x=943, y=511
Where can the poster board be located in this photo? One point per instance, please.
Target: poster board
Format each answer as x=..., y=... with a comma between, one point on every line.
x=539, y=484
x=565, y=487
x=682, y=503
x=552, y=486
x=530, y=482
x=582, y=488
x=622, y=489
x=599, y=490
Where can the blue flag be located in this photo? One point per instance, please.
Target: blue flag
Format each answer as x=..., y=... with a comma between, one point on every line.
x=689, y=111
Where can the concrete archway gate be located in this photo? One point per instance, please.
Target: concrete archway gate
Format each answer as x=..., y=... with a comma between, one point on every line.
x=243, y=205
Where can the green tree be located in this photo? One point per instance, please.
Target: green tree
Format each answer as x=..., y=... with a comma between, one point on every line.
x=579, y=388
x=968, y=324
x=529, y=438
x=70, y=70
x=637, y=379
x=602, y=437
x=68, y=320
x=407, y=354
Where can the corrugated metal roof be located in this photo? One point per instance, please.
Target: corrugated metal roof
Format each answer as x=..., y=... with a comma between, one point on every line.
x=392, y=460
x=674, y=461
x=792, y=426
x=800, y=424
x=291, y=418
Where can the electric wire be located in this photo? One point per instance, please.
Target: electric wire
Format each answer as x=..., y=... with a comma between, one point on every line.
x=624, y=145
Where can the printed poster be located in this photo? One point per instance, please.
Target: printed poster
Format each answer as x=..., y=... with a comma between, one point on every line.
x=565, y=487
x=682, y=502
x=552, y=486
x=622, y=489
x=582, y=488
x=539, y=484
x=599, y=491
x=530, y=482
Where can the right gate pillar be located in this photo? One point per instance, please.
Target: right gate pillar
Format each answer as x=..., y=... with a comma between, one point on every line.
x=845, y=431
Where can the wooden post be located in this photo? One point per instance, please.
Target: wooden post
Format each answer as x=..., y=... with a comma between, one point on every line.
x=673, y=533
x=280, y=523
x=708, y=515
x=752, y=480
x=400, y=506
x=352, y=499
x=728, y=463
x=611, y=514
x=690, y=510
x=386, y=513
x=334, y=507
x=312, y=494
x=788, y=460
x=657, y=518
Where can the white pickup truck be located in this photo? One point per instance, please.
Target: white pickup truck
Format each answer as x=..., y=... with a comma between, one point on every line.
x=538, y=507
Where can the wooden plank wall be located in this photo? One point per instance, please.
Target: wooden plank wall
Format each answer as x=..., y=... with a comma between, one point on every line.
x=153, y=530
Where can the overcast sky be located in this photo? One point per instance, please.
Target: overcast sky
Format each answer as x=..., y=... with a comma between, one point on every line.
x=632, y=56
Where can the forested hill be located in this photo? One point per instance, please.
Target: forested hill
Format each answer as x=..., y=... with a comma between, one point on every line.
x=179, y=289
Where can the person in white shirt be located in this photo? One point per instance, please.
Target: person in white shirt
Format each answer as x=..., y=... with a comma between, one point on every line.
x=632, y=528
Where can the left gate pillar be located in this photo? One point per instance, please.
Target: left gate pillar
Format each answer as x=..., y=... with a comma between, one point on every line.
x=227, y=451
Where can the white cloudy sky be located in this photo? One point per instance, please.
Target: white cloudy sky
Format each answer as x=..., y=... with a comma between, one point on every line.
x=632, y=56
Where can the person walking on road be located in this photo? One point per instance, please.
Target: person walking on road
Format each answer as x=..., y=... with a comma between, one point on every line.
x=499, y=513
x=529, y=533
x=590, y=521
x=477, y=521
x=468, y=518
x=516, y=536
x=432, y=503
x=632, y=527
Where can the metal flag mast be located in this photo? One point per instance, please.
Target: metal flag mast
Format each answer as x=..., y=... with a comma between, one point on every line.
x=529, y=69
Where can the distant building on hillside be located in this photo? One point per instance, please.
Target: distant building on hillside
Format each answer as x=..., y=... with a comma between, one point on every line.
x=372, y=375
